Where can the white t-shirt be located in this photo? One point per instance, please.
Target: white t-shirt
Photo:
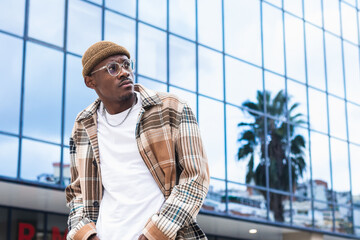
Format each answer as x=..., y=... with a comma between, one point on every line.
x=131, y=195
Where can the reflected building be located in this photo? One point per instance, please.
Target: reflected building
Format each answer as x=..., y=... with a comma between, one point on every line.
x=274, y=85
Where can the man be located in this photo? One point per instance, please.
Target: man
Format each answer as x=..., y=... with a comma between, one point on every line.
x=138, y=167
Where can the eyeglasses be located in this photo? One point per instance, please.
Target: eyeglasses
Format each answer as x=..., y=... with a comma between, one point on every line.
x=115, y=68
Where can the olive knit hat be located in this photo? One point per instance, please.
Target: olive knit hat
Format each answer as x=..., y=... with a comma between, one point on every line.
x=98, y=52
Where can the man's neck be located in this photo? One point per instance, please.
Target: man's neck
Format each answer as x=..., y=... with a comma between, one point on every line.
x=119, y=106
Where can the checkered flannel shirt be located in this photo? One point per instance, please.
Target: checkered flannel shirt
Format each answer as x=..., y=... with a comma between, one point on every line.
x=169, y=142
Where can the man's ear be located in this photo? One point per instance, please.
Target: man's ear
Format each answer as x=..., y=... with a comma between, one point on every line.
x=89, y=82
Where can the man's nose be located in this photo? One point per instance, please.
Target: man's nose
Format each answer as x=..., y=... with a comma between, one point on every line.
x=123, y=73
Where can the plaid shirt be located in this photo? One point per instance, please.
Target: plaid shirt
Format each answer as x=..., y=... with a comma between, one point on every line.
x=169, y=142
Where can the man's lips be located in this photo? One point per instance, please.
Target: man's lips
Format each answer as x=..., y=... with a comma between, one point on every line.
x=125, y=82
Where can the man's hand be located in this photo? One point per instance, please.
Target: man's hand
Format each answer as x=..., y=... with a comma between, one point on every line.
x=142, y=237
x=93, y=237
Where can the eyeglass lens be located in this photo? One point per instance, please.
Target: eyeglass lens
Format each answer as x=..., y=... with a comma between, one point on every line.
x=114, y=68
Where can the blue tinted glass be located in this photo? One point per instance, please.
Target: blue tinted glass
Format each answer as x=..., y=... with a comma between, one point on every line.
x=182, y=63
x=153, y=12
x=9, y=148
x=211, y=122
x=317, y=111
x=275, y=2
x=84, y=26
x=352, y=74
x=242, y=18
x=315, y=57
x=47, y=24
x=182, y=18
x=214, y=199
x=152, y=53
x=127, y=7
x=293, y=6
x=12, y=16
x=313, y=11
x=275, y=85
x=239, y=74
x=273, y=39
x=10, y=79
x=156, y=86
x=322, y=213
x=331, y=16
x=210, y=73
x=188, y=97
x=344, y=220
x=348, y=20
x=78, y=96
x=66, y=166
x=353, y=112
x=297, y=95
x=43, y=93
x=355, y=176
x=334, y=68
x=337, y=117
x=120, y=30
x=210, y=23
x=39, y=161
x=294, y=38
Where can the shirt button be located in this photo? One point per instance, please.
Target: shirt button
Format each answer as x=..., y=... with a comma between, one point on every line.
x=96, y=204
x=95, y=164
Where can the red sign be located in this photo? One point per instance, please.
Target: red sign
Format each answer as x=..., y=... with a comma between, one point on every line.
x=26, y=231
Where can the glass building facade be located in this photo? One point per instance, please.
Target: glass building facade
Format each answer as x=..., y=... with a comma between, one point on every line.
x=275, y=86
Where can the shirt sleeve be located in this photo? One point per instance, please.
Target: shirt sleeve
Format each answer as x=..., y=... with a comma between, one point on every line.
x=187, y=197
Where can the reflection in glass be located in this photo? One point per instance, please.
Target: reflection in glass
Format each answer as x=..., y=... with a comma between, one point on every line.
x=312, y=10
x=295, y=60
x=78, y=96
x=43, y=93
x=331, y=16
x=47, y=25
x=348, y=18
x=10, y=79
x=353, y=122
x=297, y=95
x=355, y=176
x=320, y=166
x=184, y=26
x=84, y=26
x=343, y=220
x=246, y=202
x=337, y=117
x=293, y=6
x=273, y=39
x=152, y=53
x=20, y=217
x=12, y=16
x=182, y=63
x=301, y=212
x=239, y=74
x=335, y=81
x=323, y=216
x=9, y=148
x=215, y=199
x=210, y=23
x=120, y=30
x=275, y=95
x=352, y=74
x=188, y=97
x=315, y=56
x=66, y=166
x=127, y=7
x=157, y=86
x=3, y=222
x=211, y=122
x=357, y=217
x=153, y=12
x=39, y=162
x=279, y=208
x=317, y=110
x=243, y=18
x=210, y=73
x=56, y=227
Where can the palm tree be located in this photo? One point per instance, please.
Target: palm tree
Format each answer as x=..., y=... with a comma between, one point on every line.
x=253, y=135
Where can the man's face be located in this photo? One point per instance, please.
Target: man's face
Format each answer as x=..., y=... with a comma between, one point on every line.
x=112, y=88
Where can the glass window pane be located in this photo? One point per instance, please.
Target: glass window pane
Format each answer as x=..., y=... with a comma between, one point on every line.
x=153, y=12
x=331, y=16
x=357, y=218
x=297, y=95
x=348, y=19
x=273, y=39
x=239, y=74
x=66, y=167
x=127, y=7
x=337, y=117
x=215, y=199
x=184, y=26
x=353, y=122
x=182, y=63
x=275, y=2
x=10, y=79
x=210, y=73
x=334, y=65
x=188, y=97
x=275, y=85
x=294, y=6
x=242, y=29
x=78, y=96
x=120, y=30
x=46, y=157
x=302, y=212
x=152, y=42
x=315, y=57
x=12, y=16
x=352, y=74
x=56, y=227
x=23, y=221
x=294, y=38
x=323, y=216
x=9, y=148
x=211, y=122
x=210, y=23
x=3, y=223
x=47, y=25
x=246, y=201
x=43, y=94
x=279, y=208
x=317, y=110
x=355, y=176
x=84, y=26
x=343, y=220
x=153, y=85
x=313, y=11
x=320, y=165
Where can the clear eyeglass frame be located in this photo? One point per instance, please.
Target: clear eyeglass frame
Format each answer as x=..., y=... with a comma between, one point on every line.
x=130, y=68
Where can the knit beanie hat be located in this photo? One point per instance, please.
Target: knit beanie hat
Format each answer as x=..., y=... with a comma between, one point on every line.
x=98, y=52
